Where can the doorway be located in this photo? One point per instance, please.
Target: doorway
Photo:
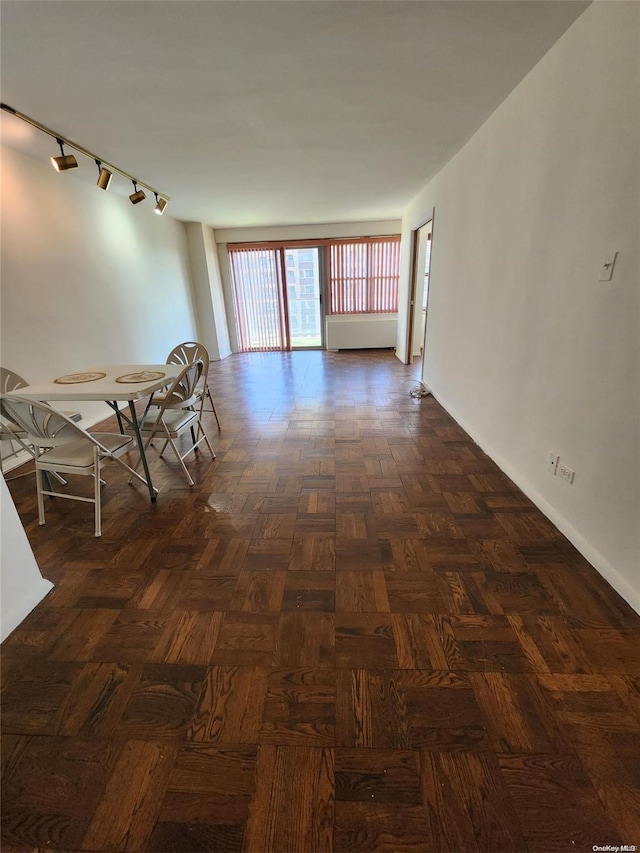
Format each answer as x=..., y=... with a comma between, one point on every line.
x=277, y=296
x=304, y=297
x=421, y=238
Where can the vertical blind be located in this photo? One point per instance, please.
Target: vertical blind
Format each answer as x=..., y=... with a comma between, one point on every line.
x=363, y=275
x=258, y=299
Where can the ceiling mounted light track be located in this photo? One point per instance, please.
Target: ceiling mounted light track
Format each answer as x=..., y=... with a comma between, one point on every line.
x=106, y=170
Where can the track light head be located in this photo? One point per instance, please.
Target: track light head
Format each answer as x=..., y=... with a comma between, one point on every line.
x=64, y=161
x=161, y=203
x=104, y=176
x=137, y=196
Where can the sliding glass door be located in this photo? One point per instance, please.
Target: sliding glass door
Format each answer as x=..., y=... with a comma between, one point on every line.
x=277, y=297
x=303, y=297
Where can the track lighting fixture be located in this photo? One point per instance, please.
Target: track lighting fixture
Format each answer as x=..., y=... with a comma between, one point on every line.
x=137, y=195
x=105, y=170
x=64, y=161
x=104, y=176
x=161, y=203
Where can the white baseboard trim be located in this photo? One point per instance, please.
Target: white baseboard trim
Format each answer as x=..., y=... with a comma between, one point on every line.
x=604, y=567
x=21, y=609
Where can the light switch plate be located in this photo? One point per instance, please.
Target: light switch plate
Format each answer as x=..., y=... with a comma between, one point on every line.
x=607, y=266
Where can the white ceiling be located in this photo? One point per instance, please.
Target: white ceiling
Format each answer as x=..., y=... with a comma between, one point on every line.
x=265, y=112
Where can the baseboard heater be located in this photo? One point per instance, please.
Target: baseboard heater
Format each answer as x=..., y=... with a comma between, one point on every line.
x=362, y=331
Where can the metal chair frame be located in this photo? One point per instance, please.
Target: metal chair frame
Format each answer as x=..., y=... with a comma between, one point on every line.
x=176, y=412
x=50, y=432
x=11, y=381
x=188, y=352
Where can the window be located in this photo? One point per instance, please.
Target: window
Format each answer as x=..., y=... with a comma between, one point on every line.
x=277, y=287
x=364, y=275
x=273, y=310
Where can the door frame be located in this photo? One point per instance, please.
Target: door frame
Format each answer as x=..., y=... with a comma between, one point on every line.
x=415, y=241
x=322, y=272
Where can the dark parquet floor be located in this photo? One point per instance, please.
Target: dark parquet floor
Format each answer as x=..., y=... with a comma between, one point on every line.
x=354, y=633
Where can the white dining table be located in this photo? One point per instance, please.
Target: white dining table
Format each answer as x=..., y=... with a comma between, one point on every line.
x=106, y=387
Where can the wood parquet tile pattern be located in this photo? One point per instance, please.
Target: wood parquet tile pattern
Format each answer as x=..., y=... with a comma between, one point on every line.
x=354, y=633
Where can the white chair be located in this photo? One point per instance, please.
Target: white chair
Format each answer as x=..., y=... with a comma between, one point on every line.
x=61, y=445
x=187, y=353
x=178, y=411
x=10, y=381
x=11, y=433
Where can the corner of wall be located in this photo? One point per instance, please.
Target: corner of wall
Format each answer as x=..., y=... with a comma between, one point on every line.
x=207, y=286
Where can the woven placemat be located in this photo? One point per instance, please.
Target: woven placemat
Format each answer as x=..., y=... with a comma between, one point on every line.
x=76, y=378
x=141, y=376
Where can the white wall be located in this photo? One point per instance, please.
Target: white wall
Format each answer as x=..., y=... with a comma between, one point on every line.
x=22, y=584
x=218, y=306
x=305, y=232
x=524, y=346
x=87, y=278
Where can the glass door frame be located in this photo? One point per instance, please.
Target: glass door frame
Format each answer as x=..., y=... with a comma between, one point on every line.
x=279, y=247
x=322, y=275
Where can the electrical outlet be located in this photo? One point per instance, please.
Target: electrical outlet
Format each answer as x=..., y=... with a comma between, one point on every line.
x=552, y=464
x=566, y=473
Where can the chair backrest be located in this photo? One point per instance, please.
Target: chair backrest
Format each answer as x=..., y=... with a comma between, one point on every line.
x=45, y=427
x=188, y=352
x=182, y=392
x=10, y=381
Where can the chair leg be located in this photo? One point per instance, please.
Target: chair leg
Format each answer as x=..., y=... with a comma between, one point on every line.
x=202, y=432
x=131, y=471
x=146, y=446
x=60, y=479
x=47, y=482
x=213, y=407
x=39, y=475
x=180, y=460
x=96, y=491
